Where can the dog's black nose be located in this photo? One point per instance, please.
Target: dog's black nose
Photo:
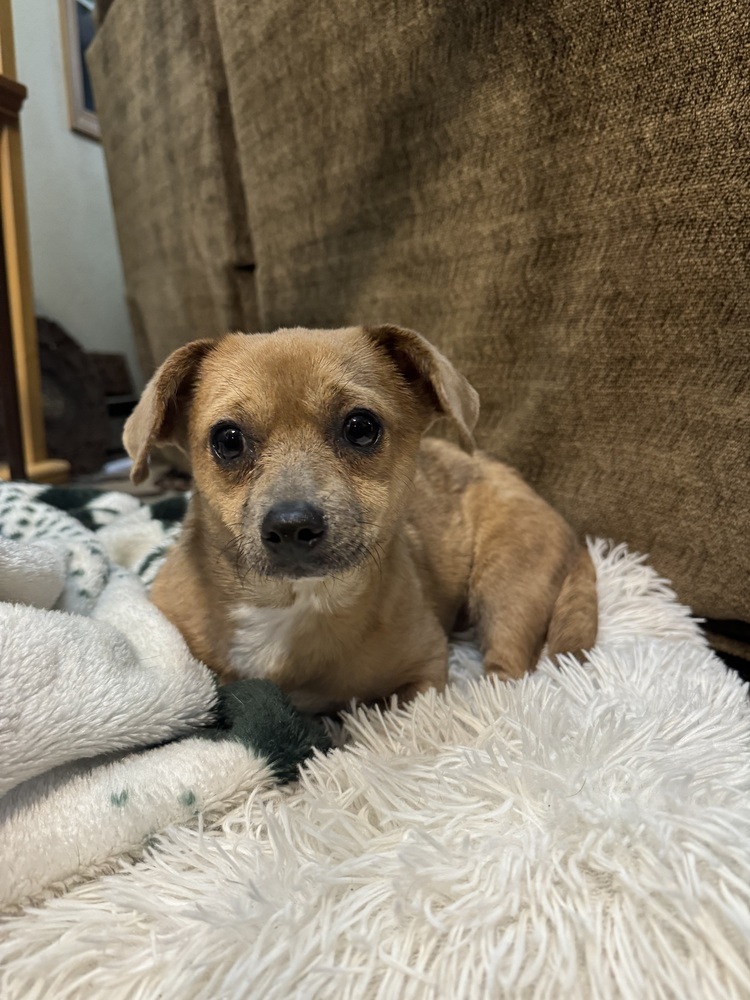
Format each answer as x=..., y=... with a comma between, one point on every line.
x=292, y=526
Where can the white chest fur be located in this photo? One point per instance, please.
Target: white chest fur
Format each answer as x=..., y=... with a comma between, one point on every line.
x=265, y=639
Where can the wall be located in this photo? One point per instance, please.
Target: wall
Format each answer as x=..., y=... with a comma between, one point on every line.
x=74, y=254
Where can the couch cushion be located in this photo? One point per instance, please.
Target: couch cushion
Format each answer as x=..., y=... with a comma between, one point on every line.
x=167, y=131
x=557, y=195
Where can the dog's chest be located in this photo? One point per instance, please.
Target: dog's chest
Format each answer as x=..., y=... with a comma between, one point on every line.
x=268, y=640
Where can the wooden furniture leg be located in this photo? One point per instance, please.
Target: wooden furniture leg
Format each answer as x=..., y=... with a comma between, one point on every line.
x=8, y=387
x=17, y=272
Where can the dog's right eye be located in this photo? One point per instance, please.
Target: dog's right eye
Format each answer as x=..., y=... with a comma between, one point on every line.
x=362, y=429
x=227, y=442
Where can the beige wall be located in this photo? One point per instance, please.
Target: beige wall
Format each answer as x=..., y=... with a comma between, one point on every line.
x=74, y=254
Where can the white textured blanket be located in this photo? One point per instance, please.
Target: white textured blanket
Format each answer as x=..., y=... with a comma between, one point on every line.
x=582, y=833
x=91, y=677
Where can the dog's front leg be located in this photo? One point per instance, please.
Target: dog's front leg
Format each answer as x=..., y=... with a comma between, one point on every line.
x=408, y=692
x=430, y=672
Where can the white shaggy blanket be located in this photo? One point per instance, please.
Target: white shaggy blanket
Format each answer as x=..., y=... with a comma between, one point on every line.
x=582, y=833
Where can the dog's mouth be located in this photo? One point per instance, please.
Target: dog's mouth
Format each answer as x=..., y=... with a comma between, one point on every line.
x=324, y=561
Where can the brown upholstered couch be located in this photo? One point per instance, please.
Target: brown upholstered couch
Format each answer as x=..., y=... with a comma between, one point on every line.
x=555, y=191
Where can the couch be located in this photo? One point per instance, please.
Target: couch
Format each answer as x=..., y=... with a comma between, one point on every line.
x=554, y=191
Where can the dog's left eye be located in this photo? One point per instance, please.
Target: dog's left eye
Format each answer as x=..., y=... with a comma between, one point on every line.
x=362, y=429
x=227, y=442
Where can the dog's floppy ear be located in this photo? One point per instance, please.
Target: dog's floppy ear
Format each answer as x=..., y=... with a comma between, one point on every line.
x=422, y=365
x=156, y=418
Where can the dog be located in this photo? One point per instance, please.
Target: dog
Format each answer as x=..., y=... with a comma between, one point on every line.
x=328, y=545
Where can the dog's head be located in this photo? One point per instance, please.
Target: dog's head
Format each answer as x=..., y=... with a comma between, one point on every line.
x=303, y=443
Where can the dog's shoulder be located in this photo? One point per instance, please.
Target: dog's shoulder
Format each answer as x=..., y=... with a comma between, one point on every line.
x=444, y=467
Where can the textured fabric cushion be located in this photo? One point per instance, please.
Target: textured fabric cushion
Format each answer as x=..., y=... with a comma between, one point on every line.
x=556, y=193
x=168, y=139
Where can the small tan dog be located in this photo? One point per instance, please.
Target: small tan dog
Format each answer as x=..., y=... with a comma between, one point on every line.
x=328, y=546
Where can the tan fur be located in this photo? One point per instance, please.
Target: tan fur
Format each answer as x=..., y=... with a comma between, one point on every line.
x=419, y=534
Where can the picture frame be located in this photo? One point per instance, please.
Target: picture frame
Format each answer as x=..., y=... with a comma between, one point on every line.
x=77, y=24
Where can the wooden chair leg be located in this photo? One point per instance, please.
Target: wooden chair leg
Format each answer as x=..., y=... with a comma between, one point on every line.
x=23, y=357
x=8, y=386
